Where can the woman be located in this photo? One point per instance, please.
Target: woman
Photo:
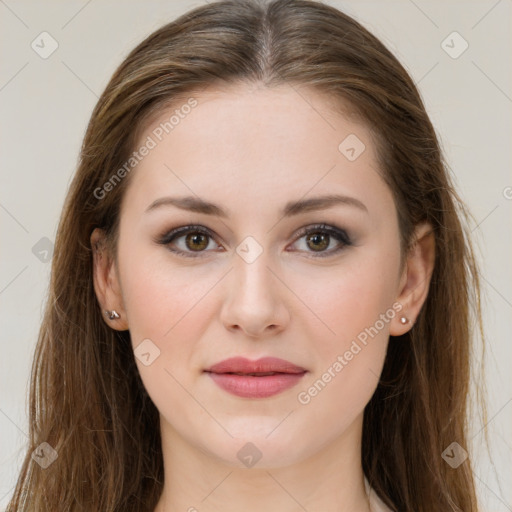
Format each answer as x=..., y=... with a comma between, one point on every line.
x=261, y=286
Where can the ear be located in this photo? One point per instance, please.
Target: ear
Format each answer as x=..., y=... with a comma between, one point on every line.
x=415, y=279
x=106, y=281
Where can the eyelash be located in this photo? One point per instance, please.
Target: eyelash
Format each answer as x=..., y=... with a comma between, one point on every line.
x=339, y=234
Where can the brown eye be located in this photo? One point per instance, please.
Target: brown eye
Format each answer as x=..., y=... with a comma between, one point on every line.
x=191, y=241
x=322, y=240
x=196, y=241
x=318, y=241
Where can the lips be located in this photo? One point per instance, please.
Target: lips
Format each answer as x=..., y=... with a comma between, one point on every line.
x=255, y=379
x=263, y=366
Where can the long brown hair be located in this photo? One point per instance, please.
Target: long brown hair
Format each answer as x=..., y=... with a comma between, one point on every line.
x=87, y=400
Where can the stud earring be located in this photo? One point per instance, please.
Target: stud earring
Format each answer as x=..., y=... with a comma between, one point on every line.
x=112, y=315
x=403, y=320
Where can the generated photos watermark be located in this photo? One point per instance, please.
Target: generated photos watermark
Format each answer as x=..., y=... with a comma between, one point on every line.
x=304, y=397
x=151, y=142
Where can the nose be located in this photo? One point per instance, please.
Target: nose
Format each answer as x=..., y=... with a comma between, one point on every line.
x=254, y=299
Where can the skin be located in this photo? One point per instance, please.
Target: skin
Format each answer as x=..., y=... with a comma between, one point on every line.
x=251, y=149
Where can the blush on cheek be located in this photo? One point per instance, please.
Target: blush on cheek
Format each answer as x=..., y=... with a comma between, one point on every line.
x=171, y=310
x=354, y=346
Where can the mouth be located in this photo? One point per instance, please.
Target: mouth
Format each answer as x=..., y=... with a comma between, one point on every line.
x=255, y=379
x=262, y=366
x=255, y=374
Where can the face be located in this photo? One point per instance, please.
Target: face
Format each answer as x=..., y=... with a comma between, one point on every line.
x=315, y=285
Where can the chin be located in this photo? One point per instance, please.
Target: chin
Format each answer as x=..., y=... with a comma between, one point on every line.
x=252, y=448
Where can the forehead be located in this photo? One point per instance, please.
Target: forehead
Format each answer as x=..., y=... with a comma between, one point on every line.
x=255, y=142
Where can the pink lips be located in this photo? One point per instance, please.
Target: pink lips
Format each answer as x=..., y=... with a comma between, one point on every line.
x=255, y=379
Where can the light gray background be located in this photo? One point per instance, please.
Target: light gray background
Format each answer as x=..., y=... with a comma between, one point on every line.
x=46, y=103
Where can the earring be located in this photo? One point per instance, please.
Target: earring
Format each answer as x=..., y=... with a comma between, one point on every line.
x=403, y=320
x=112, y=315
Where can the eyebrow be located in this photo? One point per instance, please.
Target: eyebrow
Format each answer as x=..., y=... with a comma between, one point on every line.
x=195, y=204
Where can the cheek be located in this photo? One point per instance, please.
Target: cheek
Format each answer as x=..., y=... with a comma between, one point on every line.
x=160, y=299
x=348, y=300
x=172, y=308
x=355, y=309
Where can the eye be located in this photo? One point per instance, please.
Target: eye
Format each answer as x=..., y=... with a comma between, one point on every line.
x=189, y=240
x=192, y=241
x=319, y=237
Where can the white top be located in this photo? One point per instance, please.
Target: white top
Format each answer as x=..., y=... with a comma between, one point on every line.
x=376, y=504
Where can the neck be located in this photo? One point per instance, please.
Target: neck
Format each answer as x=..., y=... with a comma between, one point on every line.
x=330, y=480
